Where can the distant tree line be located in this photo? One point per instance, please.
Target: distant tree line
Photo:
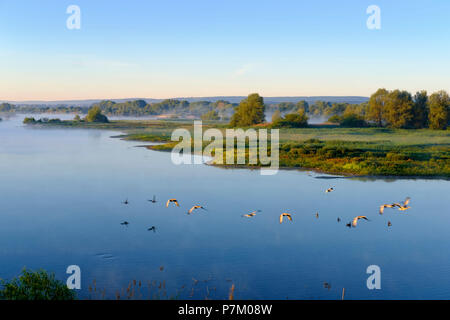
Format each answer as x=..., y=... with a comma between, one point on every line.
x=223, y=109
x=394, y=109
x=94, y=115
x=7, y=107
x=137, y=108
x=251, y=111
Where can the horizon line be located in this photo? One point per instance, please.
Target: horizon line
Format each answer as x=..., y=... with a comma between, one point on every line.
x=181, y=97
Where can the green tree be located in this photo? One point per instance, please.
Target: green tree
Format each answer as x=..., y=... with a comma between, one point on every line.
x=420, y=110
x=35, y=285
x=319, y=108
x=250, y=111
x=211, y=115
x=303, y=105
x=439, y=116
x=95, y=115
x=398, y=110
x=376, y=106
x=286, y=106
x=276, y=115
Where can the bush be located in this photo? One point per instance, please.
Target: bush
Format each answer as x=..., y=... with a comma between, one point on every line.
x=335, y=119
x=352, y=120
x=95, y=115
x=35, y=285
x=291, y=120
x=349, y=120
x=29, y=120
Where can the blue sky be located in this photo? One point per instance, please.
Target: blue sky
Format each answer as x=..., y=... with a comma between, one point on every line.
x=187, y=48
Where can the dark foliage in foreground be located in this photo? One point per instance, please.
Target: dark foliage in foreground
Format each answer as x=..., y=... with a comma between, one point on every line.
x=35, y=285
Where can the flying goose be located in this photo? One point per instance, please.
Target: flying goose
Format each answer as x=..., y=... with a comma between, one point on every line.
x=195, y=208
x=355, y=220
x=251, y=214
x=284, y=214
x=403, y=206
x=172, y=200
x=152, y=228
x=329, y=190
x=126, y=201
x=386, y=206
x=125, y=223
x=153, y=200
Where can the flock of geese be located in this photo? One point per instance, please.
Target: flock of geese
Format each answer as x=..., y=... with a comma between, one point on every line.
x=153, y=200
x=401, y=206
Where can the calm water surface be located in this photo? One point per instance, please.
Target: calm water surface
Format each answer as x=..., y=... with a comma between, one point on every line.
x=61, y=194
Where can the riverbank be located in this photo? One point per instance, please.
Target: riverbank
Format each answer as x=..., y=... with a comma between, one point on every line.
x=344, y=151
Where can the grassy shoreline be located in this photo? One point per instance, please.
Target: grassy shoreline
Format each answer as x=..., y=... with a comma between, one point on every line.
x=368, y=152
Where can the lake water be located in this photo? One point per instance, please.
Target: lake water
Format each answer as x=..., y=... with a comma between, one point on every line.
x=61, y=194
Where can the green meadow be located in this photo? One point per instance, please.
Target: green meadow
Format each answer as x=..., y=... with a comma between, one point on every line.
x=331, y=149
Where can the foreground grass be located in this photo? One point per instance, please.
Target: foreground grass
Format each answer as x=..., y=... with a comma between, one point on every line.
x=355, y=151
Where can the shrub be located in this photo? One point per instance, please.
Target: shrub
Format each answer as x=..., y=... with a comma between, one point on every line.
x=291, y=120
x=95, y=115
x=29, y=120
x=35, y=285
x=349, y=120
x=352, y=120
x=335, y=119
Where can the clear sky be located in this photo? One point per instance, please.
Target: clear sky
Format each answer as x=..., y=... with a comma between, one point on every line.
x=183, y=48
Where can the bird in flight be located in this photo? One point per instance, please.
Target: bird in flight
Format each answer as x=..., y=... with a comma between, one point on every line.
x=317, y=215
x=195, y=208
x=400, y=206
x=338, y=219
x=172, y=200
x=153, y=228
x=153, y=200
x=126, y=201
x=125, y=223
x=403, y=206
x=386, y=206
x=287, y=215
x=251, y=214
x=329, y=190
x=355, y=220
x=389, y=224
